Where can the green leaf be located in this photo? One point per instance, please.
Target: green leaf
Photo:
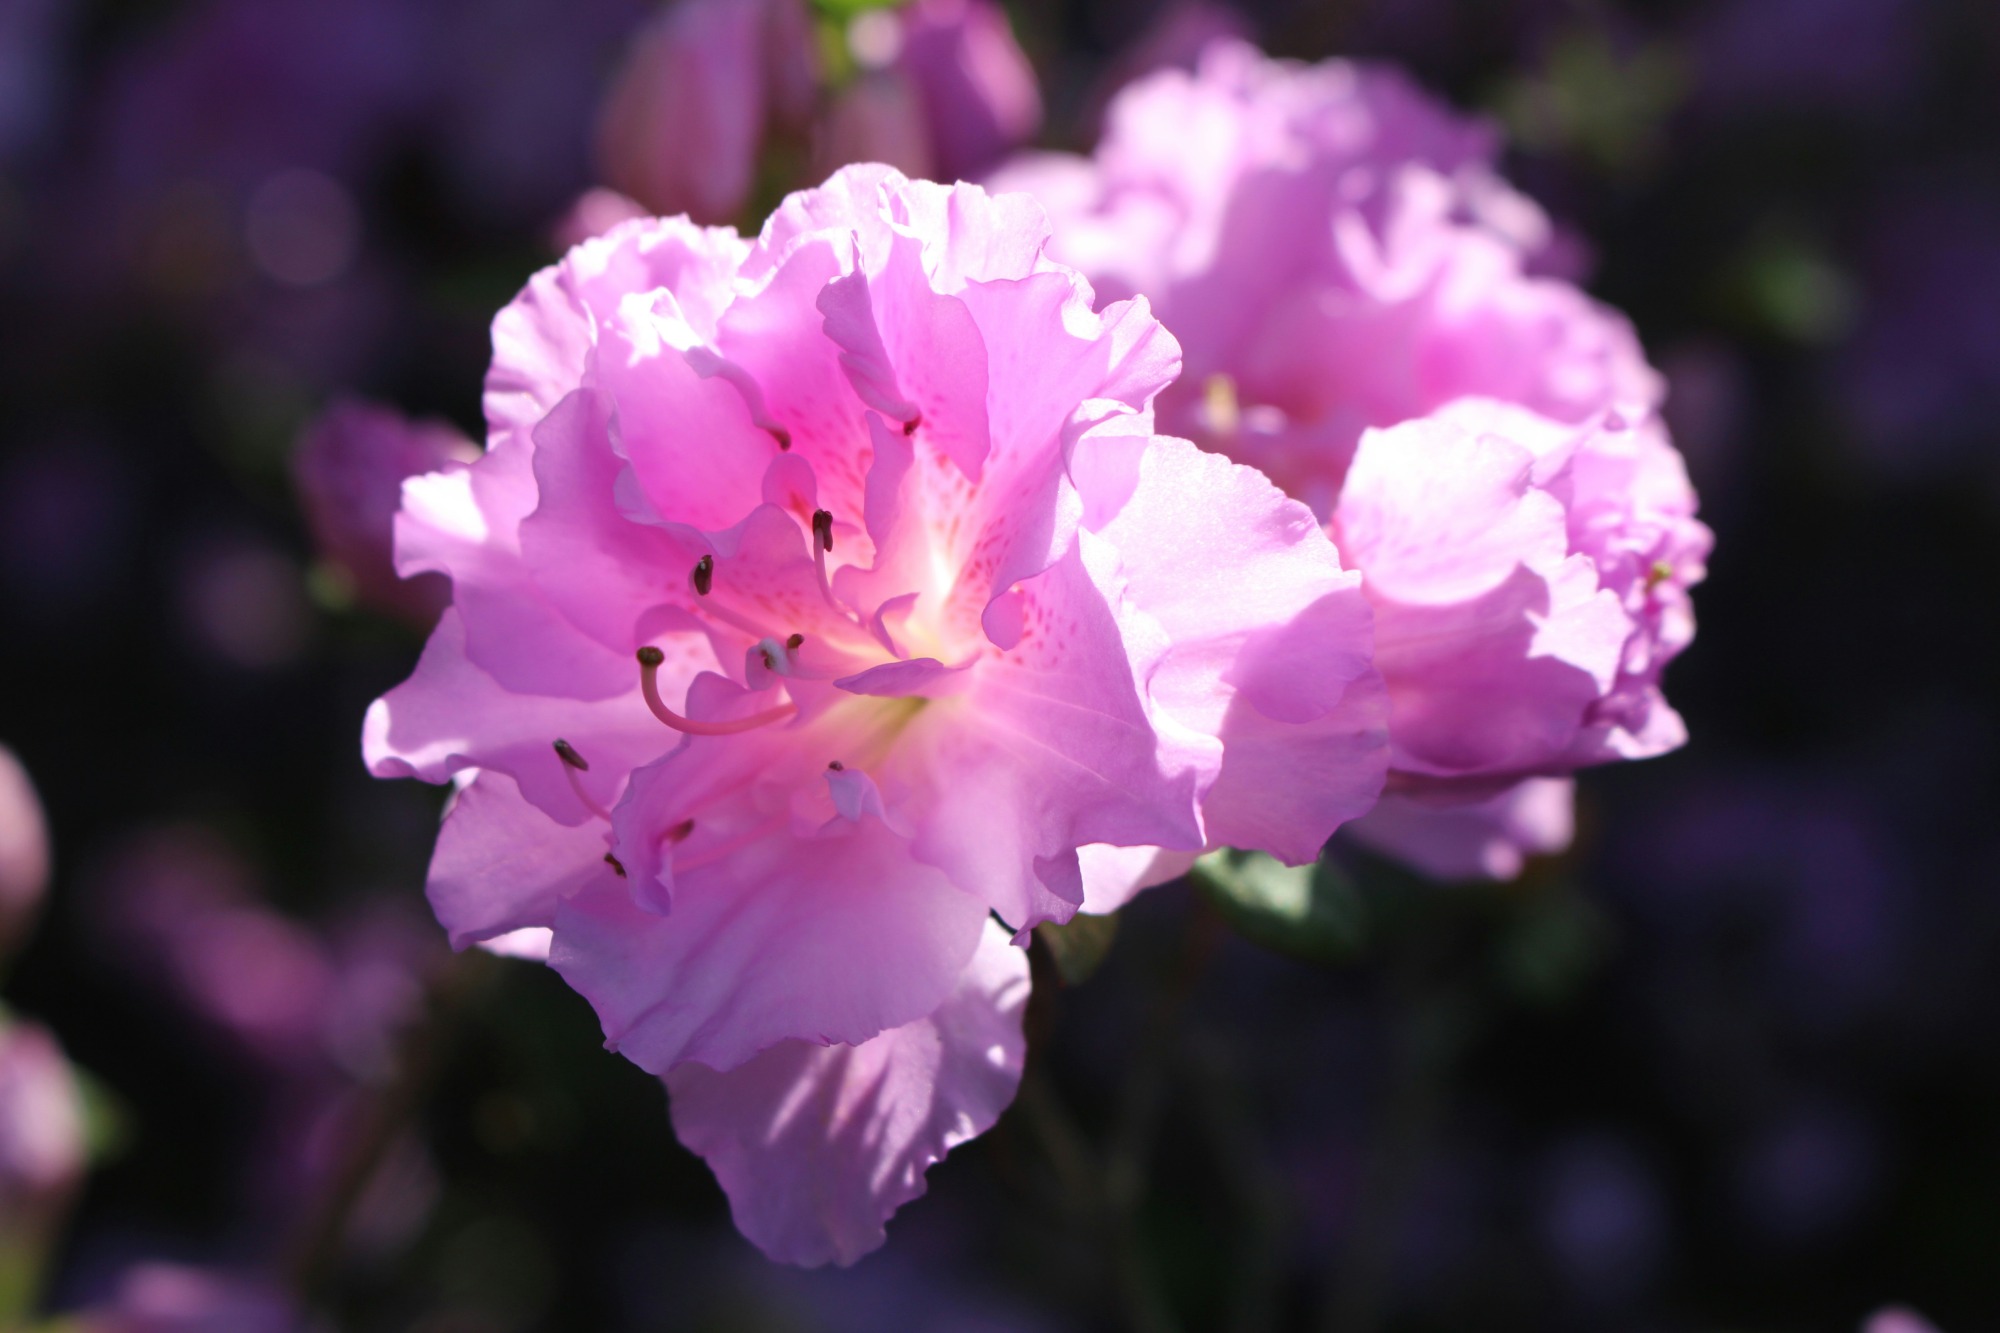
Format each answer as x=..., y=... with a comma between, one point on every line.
x=1312, y=912
x=1078, y=946
x=107, y=1123
x=847, y=9
x=1550, y=946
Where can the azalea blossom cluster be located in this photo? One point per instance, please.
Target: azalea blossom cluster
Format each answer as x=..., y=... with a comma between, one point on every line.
x=831, y=608
x=1366, y=318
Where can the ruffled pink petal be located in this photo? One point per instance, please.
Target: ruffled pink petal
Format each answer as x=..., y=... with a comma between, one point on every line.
x=600, y=571
x=1269, y=666
x=465, y=522
x=1114, y=876
x=772, y=934
x=1047, y=354
x=449, y=716
x=543, y=338
x=530, y=944
x=1492, y=639
x=975, y=235
x=818, y=1146
x=1051, y=748
x=772, y=347
x=501, y=865
x=1489, y=839
x=912, y=353
x=695, y=452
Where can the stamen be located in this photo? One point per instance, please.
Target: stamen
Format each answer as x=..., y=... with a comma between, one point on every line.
x=574, y=763
x=910, y=426
x=835, y=766
x=781, y=435
x=615, y=864
x=681, y=831
x=796, y=642
x=1658, y=574
x=650, y=659
x=822, y=543
x=703, y=577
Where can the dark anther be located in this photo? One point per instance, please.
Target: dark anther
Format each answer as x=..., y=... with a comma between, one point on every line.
x=837, y=767
x=680, y=831
x=703, y=577
x=770, y=662
x=614, y=863
x=910, y=426
x=823, y=529
x=649, y=656
x=796, y=642
x=568, y=755
x=781, y=435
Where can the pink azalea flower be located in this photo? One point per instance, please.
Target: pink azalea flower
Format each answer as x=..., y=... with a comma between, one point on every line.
x=24, y=852
x=1338, y=255
x=922, y=609
x=349, y=468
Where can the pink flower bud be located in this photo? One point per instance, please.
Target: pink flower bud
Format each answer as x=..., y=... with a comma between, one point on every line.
x=877, y=118
x=24, y=852
x=702, y=84
x=594, y=213
x=349, y=468
x=973, y=81
x=42, y=1144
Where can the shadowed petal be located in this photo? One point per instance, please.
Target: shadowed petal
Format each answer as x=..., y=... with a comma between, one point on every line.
x=818, y=1146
